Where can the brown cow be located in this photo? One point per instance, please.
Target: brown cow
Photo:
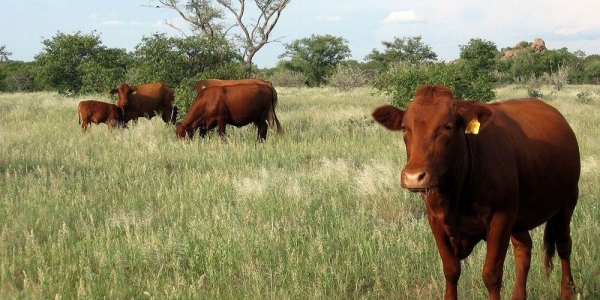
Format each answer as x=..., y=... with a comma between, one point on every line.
x=146, y=100
x=490, y=172
x=223, y=82
x=91, y=111
x=236, y=105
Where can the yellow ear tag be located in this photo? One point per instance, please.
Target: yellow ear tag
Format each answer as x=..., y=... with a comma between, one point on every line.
x=473, y=126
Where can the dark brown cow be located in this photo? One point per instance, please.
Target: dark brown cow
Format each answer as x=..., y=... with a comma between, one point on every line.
x=490, y=172
x=91, y=111
x=223, y=82
x=236, y=105
x=146, y=100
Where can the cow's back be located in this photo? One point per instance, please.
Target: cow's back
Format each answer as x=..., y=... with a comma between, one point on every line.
x=248, y=102
x=153, y=95
x=223, y=82
x=535, y=148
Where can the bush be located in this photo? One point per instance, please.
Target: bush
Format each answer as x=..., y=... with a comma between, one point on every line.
x=185, y=95
x=403, y=79
x=558, y=79
x=287, y=78
x=346, y=77
x=533, y=93
x=583, y=98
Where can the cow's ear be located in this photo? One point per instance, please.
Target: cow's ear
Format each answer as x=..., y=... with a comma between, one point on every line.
x=389, y=116
x=114, y=91
x=475, y=115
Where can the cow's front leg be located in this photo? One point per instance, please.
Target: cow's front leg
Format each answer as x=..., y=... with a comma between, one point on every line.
x=522, y=249
x=497, y=244
x=202, y=132
x=450, y=261
x=222, y=126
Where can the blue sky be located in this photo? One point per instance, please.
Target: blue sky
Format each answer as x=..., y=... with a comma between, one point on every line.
x=443, y=25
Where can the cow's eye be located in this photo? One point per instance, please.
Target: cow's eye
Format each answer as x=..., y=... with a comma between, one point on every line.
x=449, y=127
x=402, y=128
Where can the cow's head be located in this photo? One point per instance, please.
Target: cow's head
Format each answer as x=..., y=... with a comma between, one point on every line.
x=434, y=127
x=124, y=92
x=180, y=130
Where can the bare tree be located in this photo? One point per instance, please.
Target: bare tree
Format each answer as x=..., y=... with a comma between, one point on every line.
x=250, y=33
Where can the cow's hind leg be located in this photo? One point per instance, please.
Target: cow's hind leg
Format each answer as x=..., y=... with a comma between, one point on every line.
x=84, y=126
x=262, y=129
x=557, y=236
x=221, y=130
x=522, y=245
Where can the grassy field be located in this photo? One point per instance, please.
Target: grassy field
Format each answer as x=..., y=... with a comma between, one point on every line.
x=317, y=213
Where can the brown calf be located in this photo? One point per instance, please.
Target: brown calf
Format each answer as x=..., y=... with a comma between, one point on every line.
x=92, y=111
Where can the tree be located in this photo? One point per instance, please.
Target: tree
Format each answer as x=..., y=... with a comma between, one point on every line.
x=551, y=61
x=591, y=69
x=253, y=32
x=181, y=62
x=408, y=49
x=68, y=60
x=104, y=71
x=18, y=76
x=402, y=79
x=171, y=59
x=3, y=53
x=316, y=56
x=475, y=67
x=3, y=57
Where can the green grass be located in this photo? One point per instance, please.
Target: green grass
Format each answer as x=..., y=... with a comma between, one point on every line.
x=317, y=213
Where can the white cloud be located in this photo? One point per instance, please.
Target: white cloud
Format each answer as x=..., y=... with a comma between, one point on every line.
x=404, y=16
x=115, y=23
x=330, y=18
x=112, y=23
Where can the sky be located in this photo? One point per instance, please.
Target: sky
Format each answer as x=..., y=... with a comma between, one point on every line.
x=364, y=24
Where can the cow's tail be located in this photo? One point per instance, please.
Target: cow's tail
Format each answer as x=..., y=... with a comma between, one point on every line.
x=174, y=115
x=272, y=118
x=79, y=113
x=549, y=247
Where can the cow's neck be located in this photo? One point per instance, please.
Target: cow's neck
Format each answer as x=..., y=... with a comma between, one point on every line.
x=453, y=195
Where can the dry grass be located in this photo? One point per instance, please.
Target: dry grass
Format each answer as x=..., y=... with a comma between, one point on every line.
x=316, y=213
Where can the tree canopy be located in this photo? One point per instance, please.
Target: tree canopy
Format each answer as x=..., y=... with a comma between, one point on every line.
x=315, y=56
x=248, y=31
x=411, y=50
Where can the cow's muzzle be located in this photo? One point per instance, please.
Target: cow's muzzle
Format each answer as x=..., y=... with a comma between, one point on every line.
x=415, y=181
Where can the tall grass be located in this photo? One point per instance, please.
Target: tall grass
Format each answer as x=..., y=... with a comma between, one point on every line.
x=314, y=214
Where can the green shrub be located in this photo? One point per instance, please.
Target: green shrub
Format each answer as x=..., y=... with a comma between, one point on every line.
x=533, y=93
x=403, y=79
x=583, y=98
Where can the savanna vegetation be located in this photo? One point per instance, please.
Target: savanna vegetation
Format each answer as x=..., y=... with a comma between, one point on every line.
x=317, y=213
x=314, y=214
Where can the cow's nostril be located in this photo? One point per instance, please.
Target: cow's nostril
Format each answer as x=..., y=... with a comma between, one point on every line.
x=422, y=176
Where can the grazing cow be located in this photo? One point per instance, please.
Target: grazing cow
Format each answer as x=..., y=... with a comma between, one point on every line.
x=236, y=105
x=222, y=82
x=490, y=172
x=146, y=100
x=91, y=111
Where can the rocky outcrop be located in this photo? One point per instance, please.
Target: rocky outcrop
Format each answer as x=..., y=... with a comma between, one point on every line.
x=538, y=46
